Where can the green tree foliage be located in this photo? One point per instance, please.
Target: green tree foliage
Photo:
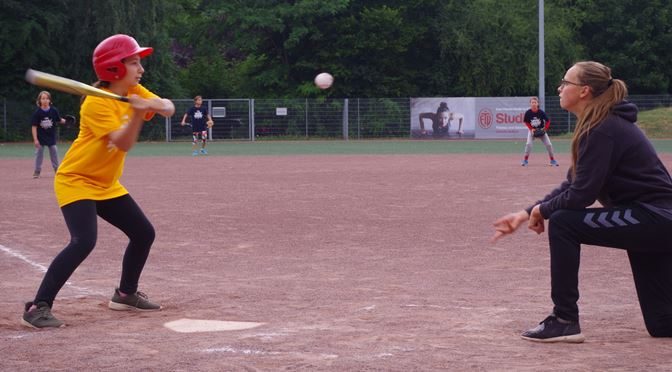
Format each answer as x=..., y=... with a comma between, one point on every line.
x=26, y=33
x=490, y=46
x=59, y=36
x=633, y=37
x=261, y=48
x=374, y=48
x=561, y=21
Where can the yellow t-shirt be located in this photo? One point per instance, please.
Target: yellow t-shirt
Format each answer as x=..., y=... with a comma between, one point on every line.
x=92, y=166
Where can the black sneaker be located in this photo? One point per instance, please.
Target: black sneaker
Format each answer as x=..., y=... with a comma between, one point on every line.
x=40, y=317
x=135, y=302
x=36, y=174
x=554, y=329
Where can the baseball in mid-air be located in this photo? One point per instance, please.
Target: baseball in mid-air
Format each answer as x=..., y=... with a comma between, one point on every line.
x=324, y=80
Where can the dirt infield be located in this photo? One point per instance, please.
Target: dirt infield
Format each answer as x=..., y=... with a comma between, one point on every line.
x=360, y=263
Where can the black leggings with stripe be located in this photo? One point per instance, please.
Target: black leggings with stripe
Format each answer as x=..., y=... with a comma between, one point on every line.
x=80, y=218
x=647, y=238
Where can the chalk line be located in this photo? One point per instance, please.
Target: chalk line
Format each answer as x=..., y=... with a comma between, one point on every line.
x=43, y=269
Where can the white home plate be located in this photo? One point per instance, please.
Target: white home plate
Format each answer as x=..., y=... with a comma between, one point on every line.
x=199, y=325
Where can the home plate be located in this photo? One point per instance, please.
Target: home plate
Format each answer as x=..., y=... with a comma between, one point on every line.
x=199, y=325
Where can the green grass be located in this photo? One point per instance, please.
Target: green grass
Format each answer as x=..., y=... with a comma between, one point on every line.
x=281, y=148
x=656, y=123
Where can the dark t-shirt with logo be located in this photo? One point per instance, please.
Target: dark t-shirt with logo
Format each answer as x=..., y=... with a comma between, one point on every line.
x=46, y=121
x=537, y=119
x=199, y=117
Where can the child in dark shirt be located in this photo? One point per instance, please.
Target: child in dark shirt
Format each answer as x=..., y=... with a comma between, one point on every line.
x=44, y=121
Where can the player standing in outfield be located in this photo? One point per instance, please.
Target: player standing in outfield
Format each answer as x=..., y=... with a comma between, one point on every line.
x=200, y=122
x=87, y=182
x=538, y=123
x=43, y=123
x=612, y=162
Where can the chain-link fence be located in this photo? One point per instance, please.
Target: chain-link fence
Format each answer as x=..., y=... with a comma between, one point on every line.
x=563, y=122
x=332, y=118
x=16, y=115
x=251, y=119
x=16, y=120
x=232, y=118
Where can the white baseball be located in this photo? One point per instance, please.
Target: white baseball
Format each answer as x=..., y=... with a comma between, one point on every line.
x=324, y=80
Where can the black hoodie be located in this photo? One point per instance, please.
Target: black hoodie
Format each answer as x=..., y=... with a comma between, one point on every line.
x=617, y=165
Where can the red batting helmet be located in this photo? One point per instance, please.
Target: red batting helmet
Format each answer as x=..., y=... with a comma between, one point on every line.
x=110, y=52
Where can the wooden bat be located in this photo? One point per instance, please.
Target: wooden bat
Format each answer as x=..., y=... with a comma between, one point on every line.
x=62, y=84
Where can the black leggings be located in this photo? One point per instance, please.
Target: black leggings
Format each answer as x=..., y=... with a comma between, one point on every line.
x=80, y=217
x=645, y=235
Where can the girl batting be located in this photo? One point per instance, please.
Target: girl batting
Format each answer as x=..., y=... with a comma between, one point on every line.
x=87, y=182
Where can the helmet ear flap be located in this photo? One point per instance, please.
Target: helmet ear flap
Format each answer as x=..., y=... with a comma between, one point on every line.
x=118, y=71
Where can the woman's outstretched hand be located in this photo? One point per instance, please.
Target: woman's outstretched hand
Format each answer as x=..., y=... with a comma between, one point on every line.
x=508, y=224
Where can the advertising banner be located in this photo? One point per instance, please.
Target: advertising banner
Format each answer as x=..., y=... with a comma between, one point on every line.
x=443, y=118
x=501, y=117
x=469, y=117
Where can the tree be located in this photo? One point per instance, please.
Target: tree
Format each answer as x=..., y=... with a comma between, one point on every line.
x=59, y=36
x=633, y=38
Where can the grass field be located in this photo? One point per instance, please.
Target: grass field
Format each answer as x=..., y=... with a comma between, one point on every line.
x=657, y=123
x=377, y=147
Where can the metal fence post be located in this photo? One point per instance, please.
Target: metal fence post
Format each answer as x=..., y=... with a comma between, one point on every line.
x=210, y=112
x=359, y=126
x=169, y=135
x=346, y=104
x=4, y=115
x=251, y=120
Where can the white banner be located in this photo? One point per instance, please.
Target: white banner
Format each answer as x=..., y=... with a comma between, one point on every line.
x=445, y=118
x=480, y=117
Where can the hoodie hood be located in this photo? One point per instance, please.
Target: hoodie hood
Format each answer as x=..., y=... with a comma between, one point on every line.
x=626, y=110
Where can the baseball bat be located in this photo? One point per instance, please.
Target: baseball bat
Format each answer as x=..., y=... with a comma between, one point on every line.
x=66, y=85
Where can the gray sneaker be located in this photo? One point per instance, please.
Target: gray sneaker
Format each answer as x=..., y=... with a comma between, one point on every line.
x=40, y=317
x=36, y=174
x=135, y=302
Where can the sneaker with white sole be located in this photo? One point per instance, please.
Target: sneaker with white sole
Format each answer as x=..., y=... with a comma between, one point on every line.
x=554, y=329
x=524, y=163
x=554, y=163
x=40, y=316
x=135, y=302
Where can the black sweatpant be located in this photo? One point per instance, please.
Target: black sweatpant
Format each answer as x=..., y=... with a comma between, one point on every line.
x=80, y=217
x=647, y=237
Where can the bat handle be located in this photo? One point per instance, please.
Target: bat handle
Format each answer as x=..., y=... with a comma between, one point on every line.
x=123, y=99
